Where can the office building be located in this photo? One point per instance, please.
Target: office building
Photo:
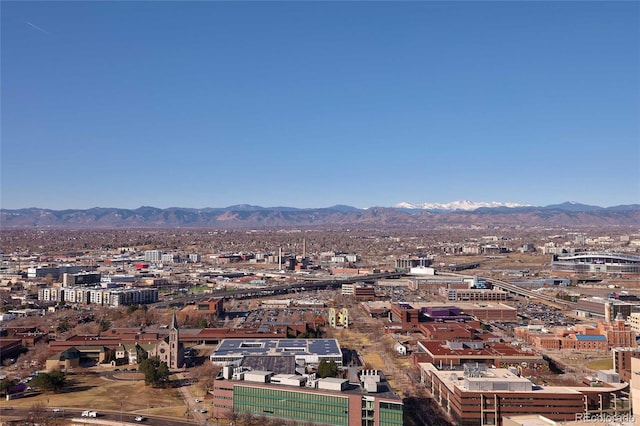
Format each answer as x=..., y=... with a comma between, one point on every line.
x=478, y=395
x=365, y=401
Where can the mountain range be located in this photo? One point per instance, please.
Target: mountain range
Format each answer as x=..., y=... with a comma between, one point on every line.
x=402, y=215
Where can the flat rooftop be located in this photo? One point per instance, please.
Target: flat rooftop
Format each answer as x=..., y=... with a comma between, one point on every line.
x=497, y=349
x=384, y=389
x=277, y=347
x=463, y=305
x=456, y=379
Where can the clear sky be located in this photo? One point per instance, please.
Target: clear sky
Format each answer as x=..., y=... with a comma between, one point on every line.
x=311, y=104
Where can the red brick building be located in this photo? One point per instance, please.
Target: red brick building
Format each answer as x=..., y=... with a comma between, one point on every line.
x=212, y=306
x=406, y=315
x=483, y=396
x=454, y=354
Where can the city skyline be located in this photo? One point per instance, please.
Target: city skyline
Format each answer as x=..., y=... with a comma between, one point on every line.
x=312, y=104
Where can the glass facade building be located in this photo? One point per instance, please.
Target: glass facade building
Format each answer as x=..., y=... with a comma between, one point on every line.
x=301, y=406
x=310, y=407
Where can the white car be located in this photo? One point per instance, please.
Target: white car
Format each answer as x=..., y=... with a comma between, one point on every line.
x=139, y=419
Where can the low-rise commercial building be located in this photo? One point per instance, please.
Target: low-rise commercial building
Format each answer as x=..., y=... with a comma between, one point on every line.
x=305, y=351
x=454, y=354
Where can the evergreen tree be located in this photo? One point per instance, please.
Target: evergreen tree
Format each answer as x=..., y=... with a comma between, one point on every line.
x=327, y=369
x=156, y=373
x=54, y=381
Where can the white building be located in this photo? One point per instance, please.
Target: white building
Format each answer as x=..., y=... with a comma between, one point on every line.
x=152, y=256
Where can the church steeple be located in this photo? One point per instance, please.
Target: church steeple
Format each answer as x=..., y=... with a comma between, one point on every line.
x=176, y=354
x=174, y=321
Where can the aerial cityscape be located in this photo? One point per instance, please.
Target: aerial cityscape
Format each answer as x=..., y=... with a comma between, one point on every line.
x=459, y=324
x=320, y=213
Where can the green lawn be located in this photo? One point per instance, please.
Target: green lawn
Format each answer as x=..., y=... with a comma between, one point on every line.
x=600, y=364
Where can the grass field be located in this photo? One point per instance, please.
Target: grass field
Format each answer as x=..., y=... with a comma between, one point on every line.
x=373, y=360
x=98, y=393
x=601, y=364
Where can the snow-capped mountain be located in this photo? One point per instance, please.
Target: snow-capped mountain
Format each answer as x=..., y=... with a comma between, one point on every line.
x=455, y=205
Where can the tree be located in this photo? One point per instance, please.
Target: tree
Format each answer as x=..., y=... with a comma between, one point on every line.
x=141, y=354
x=249, y=419
x=54, y=381
x=105, y=325
x=156, y=373
x=6, y=384
x=232, y=416
x=38, y=414
x=205, y=374
x=327, y=369
x=63, y=326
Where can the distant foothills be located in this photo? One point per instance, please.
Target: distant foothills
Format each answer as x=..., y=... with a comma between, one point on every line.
x=402, y=215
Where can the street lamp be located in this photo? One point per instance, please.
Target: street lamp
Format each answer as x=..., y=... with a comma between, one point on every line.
x=120, y=411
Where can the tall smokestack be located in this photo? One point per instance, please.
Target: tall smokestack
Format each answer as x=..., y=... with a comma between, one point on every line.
x=280, y=258
x=304, y=248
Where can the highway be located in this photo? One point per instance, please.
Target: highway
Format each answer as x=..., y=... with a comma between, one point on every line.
x=514, y=289
x=248, y=293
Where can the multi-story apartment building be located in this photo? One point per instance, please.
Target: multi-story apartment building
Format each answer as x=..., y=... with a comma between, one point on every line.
x=169, y=258
x=152, y=256
x=99, y=296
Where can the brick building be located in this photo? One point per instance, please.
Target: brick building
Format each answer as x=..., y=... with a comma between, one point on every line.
x=478, y=395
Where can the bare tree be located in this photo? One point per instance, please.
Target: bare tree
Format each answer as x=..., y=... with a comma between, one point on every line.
x=205, y=375
x=249, y=419
x=38, y=414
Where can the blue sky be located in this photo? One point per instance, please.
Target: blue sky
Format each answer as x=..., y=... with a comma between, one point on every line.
x=311, y=104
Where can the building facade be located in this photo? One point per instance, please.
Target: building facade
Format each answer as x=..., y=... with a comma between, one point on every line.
x=319, y=402
x=112, y=297
x=480, y=396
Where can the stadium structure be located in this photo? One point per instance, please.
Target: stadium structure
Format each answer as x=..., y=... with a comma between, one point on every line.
x=596, y=263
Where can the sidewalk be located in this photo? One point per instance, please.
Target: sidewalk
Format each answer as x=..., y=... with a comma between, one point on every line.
x=190, y=401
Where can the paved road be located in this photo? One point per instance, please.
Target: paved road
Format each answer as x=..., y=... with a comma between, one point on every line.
x=110, y=417
x=190, y=400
